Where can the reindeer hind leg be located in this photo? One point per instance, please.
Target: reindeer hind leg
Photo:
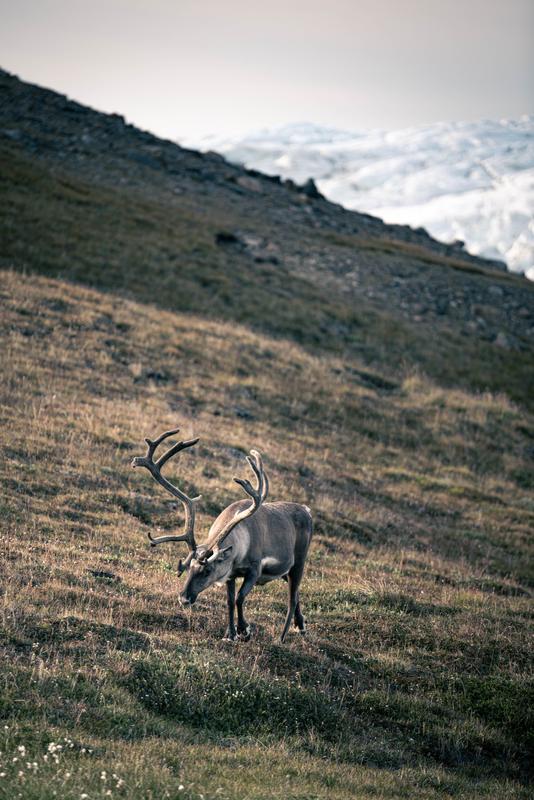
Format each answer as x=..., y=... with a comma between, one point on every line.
x=293, y=581
x=299, y=620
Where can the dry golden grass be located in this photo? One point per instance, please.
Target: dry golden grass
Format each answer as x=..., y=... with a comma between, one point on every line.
x=414, y=679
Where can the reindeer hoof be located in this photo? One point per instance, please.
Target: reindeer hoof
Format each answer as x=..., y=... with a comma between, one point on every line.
x=244, y=636
x=230, y=638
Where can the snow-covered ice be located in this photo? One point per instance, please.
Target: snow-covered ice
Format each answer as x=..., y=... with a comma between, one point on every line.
x=472, y=181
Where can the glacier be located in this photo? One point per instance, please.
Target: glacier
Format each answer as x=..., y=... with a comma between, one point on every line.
x=468, y=181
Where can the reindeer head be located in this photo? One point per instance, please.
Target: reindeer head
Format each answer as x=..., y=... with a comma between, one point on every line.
x=208, y=563
x=204, y=569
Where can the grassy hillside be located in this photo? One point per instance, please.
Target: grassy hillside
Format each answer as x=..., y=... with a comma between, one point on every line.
x=415, y=677
x=388, y=381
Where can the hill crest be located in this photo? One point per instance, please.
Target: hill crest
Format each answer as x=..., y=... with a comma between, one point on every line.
x=87, y=197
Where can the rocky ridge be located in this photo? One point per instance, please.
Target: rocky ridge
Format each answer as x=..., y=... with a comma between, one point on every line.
x=390, y=268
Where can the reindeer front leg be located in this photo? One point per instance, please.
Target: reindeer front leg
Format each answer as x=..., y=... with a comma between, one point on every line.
x=230, y=635
x=243, y=628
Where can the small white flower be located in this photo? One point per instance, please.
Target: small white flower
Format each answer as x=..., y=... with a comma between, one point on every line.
x=21, y=749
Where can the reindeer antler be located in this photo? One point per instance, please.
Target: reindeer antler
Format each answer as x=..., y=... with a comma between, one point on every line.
x=154, y=467
x=257, y=494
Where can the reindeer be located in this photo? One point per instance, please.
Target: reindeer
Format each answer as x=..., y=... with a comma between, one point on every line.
x=262, y=541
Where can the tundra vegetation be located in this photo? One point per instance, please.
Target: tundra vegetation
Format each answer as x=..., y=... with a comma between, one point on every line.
x=414, y=677
x=121, y=316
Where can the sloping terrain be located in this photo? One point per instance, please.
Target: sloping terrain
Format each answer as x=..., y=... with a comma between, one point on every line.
x=170, y=293
x=462, y=180
x=414, y=678
x=87, y=197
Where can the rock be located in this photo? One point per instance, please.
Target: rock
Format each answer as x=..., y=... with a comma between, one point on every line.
x=226, y=237
x=266, y=259
x=146, y=159
x=250, y=184
x=157, y=376
x=252, y=242
x=117, y=119
x=310, y=190
x=213, y=156
x=502, y=340
x=243, y=413
x=496, y=291
x=102, y=573
x=136, y=369
x=12, y=133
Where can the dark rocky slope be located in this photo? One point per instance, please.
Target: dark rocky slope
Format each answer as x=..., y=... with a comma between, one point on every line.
x=93, y=199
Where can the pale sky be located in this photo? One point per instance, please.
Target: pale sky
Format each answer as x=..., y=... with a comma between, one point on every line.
x=183, y=68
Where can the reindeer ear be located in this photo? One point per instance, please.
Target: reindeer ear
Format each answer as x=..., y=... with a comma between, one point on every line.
x=183, y=565
x=222, y=555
